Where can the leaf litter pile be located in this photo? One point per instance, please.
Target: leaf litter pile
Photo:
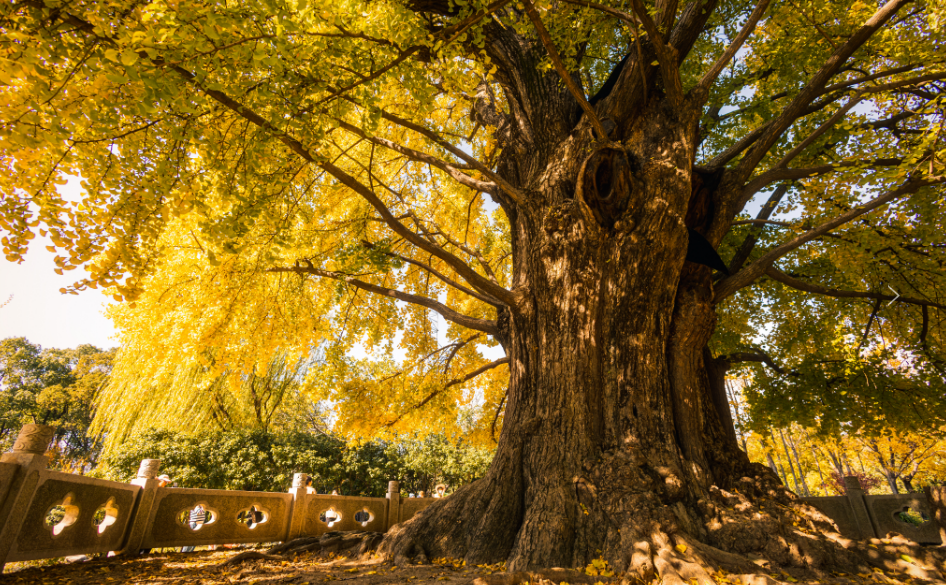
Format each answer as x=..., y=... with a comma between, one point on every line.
x=307, y=562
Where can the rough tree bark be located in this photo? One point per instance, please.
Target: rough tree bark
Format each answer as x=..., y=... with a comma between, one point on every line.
x=612, y=442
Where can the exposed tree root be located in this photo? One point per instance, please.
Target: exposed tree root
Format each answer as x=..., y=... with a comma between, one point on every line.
x=555, y=575
x=756, y=533
x=294, y=546
x=250, y=555
x=351, y=544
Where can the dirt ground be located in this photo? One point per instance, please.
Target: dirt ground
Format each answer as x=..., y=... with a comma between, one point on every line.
x=204, y=568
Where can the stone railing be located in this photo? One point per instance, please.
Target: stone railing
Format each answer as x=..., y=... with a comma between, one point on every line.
x=48, y=514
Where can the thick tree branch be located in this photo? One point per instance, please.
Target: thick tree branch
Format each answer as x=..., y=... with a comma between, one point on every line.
x=762, y=222
x=454, y=382
x=815, y=86
x=819, y=131
x=753, y=356
x=465, y=271
x=701, y=90
x=750, y=273
x=830, y=89
x=789, y=174
x=562, y=72
x=666, y=57
x=484, y=325
x=792, y=282
x=499, y=409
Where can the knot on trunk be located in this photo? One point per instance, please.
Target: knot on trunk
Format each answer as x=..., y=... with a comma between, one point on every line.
x=606, y=182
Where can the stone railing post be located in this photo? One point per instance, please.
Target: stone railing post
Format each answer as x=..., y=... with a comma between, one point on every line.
x=936, y=496
x=394, y=504
x=299, y=505
x=29, y=453
x=147, y=478
x=855, y=496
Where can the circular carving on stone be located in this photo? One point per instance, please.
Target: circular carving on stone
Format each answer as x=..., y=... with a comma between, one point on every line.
x=331, y=517
x=197, y=517
x=62, y=515
x=149, y=468
x=364, y=516
x=253, y=516
x=105, y=515
x=34, y=439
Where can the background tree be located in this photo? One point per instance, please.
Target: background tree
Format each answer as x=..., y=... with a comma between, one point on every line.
x=260, y=460
x=266, y=179
x=188, y=396
x=54, y=387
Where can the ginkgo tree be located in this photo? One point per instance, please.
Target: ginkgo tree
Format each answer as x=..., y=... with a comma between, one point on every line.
x=553, y=179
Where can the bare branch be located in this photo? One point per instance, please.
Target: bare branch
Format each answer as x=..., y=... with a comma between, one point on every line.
x=870, y=321
x=499, y=409
x=745, y=249
x=484, y=325
x=702, y=88
x=791, y=282
x=451, y=170
x=447, y=280
x=515, y=194
x=628, y=18
x=562, y=72
x=753, y=271
x=454, y=382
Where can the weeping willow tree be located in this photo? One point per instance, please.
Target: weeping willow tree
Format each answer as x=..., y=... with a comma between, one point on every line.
x=191, y=397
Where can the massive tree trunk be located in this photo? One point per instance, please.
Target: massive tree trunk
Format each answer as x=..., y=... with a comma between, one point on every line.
x=616, y=440
x=612, y=442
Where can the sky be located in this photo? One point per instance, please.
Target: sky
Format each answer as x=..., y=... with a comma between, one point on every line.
x=39, y=312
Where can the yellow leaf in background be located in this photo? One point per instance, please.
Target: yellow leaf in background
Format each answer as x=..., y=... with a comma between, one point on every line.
x=682, y=548
x=907, y=558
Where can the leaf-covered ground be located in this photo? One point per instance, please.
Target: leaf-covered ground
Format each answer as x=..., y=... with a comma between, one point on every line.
x=206, y=568
x=203, y=567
